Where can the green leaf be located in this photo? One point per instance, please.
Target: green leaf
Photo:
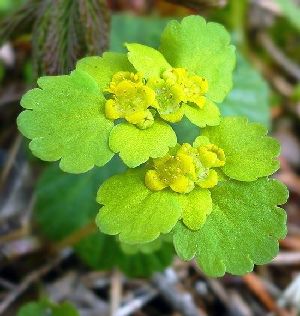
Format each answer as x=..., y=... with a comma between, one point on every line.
x=147, y=60
x=66, y=202
x=250, y=154
x=32, y=309
x=46, y=308
x=196, y=206
x=135, y=29
x=64, y=119
x=291, y=11
x=103, y=252
x=202, y=48
x=135, y=145
x=249, y=96
x=242, y=230
x=133, y=211
x=103, y=68
x=208, y=115
x=146, y=248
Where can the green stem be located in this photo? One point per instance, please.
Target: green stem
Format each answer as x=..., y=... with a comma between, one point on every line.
x=237, y=21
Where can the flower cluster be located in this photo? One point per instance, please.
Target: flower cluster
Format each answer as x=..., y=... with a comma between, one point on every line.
x=213, y=196
x=135, y=98
x=187, y=167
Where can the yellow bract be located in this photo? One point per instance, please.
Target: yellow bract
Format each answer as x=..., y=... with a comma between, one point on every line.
x=193, y=87
x=131, y=96
x=187, y=167
x=211, y=156
x=131, y=100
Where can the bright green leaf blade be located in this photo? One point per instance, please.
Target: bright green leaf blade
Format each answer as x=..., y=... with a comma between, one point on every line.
x=250, y=154
x=133, y=211
x=102, y=252
x=291, y=10
x=145, y=248
x=196, y=206
x=135, y=145
x=203, y=48
x=44, y=308
x=31, y=309
x=64, y=309
x=103, y=68
x=249, y=96
x=147, y=60
x=243, y=228
x=208, y=115
x=64, y=119
x=66, y=202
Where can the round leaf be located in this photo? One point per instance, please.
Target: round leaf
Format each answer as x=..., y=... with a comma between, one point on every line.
x=242, y=230
x=133, y=211
x=203, y=48
x=250, y=154
x=208, y=115
x=135, y=146
x=147, y=60
x=64, y=119
x=103, y=68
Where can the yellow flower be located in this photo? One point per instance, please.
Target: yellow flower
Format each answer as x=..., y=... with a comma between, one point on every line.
x=187, y=167
x=131, y=100
x=211, y=156
x=131, y=96
x=193, y=87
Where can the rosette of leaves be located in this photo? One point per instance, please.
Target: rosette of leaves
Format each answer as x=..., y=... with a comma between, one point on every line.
x=215, y=197
x=124, y=103
x=66, y=203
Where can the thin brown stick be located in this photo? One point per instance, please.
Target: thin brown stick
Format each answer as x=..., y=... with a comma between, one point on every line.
x=74, y=238
x=257, y=286
x=115, y=291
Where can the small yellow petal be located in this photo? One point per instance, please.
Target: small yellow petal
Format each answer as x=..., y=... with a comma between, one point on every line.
x=200, y=101
x=211, y=156
x=182, y=184
x=136, y=117
x=173, y=117
x=187, y=163
x=147, y=121
x=210, y=181
x=111, y=111
x=153, y=181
